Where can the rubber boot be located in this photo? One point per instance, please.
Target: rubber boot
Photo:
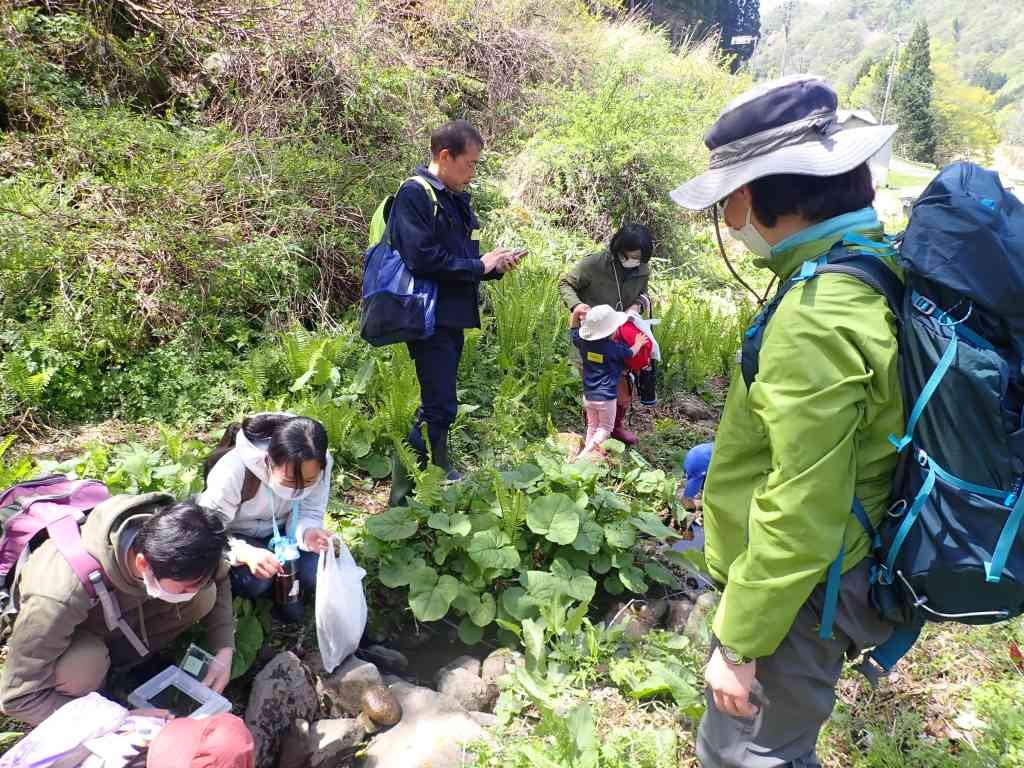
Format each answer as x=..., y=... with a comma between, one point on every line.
x=401, y=483
x=439, y=454
x=620, y=432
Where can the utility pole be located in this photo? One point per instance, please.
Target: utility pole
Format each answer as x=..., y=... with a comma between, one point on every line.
x=786, y=21
x=890, y=77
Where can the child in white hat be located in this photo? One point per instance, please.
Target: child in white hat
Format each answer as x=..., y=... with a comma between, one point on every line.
x=604, y=359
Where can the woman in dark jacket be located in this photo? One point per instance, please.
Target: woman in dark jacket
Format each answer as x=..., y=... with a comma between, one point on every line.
x=618, y=277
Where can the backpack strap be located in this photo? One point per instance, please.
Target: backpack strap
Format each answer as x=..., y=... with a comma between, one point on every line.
x=250, y=487
x=431, y=192
x=841, y=260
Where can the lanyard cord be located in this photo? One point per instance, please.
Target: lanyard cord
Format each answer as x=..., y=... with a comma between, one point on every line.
x=761, y=300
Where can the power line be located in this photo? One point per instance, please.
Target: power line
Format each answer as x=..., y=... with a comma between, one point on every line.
x=890, y=77
x=786, y=21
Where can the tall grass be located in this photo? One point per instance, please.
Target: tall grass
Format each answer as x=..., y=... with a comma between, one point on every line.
x=697, y=340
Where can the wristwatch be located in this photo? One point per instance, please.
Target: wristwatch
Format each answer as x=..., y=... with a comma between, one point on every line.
x=734, y=657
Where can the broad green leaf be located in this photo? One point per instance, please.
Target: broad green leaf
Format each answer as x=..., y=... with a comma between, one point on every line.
x=456, y=525
x=590, y=537
x=661, y=574
x=359, y=442
x=533, y=640
x=400, y=569
x=393, y=524
x=248, y=641
x=652, y=526
x=632, y=578
x=555, y=517
x=539, y=690
x=361, y=381
x=574, y=620
x=517, y=603
x=652, y=481
x=620, y=535
x=470, y=633
x=483, y=612
x=578, y=584
x=377, y=466
x=524, y=477
x=601, y=564
x=493, y=549
x=581, y=727
x=430, y=595
x=442, y=549
x=613, y=584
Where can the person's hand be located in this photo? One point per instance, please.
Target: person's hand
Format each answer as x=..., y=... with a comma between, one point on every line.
x=730, y=685
x=635, y=308
x=316, y=539
x=499, y=260
x=262, y=562
x=638, y=342
x=578, y=313
x=219, y=675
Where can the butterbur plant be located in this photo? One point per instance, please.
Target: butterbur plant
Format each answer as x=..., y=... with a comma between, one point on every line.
x=530, y=544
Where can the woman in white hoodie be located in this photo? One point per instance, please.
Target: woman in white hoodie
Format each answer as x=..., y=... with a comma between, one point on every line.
x=272, y=488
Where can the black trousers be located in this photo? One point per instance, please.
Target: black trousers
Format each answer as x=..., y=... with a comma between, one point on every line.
x=437, y=368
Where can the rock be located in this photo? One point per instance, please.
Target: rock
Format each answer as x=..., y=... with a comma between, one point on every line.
x=386, y=658
x=334, y=740
x=345, y=687
x=467, y=689
x=639, y=616
x=381, y=705
x=468, y=663
x=296, y=746
x=696, y=623
x=695, y=409
x=366, y=723
x=431, y=734
x=281, y=694
x=484, y=719
x=499, y=664
x=678, y=612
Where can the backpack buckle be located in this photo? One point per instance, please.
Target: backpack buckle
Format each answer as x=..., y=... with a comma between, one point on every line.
x=924, y=305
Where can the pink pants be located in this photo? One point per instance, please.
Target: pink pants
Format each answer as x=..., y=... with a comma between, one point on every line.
x=600, y=422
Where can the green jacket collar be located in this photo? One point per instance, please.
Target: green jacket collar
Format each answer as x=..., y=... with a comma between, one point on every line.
x=812, y=242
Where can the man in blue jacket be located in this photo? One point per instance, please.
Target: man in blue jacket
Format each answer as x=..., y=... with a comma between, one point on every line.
x=438, y=236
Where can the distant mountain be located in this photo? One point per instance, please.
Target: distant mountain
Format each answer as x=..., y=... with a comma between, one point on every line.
x=842, y=38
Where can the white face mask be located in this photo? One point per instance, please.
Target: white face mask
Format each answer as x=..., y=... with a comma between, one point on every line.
x=752, y=239
x=290, y=494
x=630, y=263
x=154, y=590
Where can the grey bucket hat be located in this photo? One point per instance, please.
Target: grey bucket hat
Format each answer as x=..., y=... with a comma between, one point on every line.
x=787, y=125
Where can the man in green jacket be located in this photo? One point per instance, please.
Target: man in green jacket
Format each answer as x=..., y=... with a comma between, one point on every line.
x=166, y=569
x=810, y=434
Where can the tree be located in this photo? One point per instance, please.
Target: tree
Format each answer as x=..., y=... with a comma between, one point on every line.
x=957, y=29
x=965, y=115
x=869, y=92
x=912, y=98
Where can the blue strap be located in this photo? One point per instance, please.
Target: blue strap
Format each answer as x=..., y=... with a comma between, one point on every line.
x=908, y=523
x=994, y=569
x=863, y=243
x=865, y=523
x=292, y=523
x=828, y=611
x=926, y=394
x=895, y=648
x=963, y=485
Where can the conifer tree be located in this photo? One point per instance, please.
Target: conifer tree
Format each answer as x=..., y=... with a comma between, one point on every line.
x=912, y=98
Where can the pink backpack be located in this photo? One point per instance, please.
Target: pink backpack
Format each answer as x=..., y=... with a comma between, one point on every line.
x=55, y=507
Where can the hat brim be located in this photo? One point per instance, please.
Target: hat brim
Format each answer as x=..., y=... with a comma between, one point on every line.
x=607, y=328
x=829, y=156
x=694, y=485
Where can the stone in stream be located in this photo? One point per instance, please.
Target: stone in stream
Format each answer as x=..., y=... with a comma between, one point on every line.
x=468, y=663
x=433, y=732
x=346, y=686
x=678, y=613
x=696, y=623
x=385, y=658
x=499, y=664
x=281, y=694
x=381, y=705
x=467, y=689
x=334, y=740
x=639, y=616
x=296, y=746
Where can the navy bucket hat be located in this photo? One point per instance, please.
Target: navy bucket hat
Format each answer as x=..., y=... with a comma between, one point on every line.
x=787, y=125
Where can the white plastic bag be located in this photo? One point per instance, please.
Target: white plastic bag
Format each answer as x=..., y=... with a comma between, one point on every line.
x=340, y=605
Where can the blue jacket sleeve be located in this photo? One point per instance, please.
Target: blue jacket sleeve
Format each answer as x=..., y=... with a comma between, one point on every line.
x=412, y=235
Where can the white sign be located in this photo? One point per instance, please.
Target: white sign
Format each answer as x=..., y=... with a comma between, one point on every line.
x=742, y=39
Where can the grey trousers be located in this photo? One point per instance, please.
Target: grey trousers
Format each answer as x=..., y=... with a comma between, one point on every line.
x=795, y=686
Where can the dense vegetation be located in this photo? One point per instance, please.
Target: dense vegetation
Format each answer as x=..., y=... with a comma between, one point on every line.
x=976, y=55
x=184, y=194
